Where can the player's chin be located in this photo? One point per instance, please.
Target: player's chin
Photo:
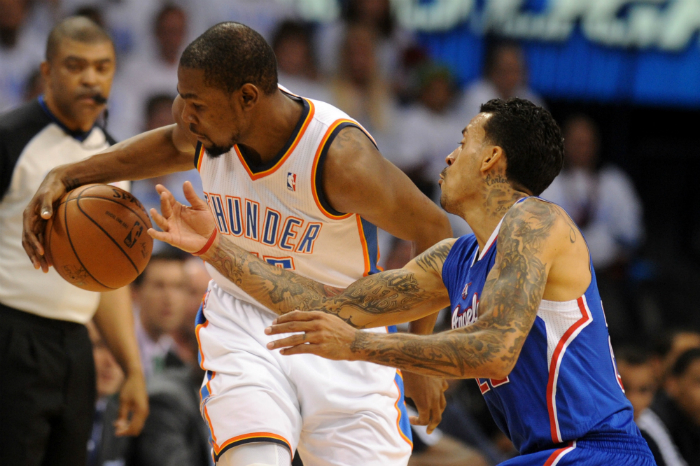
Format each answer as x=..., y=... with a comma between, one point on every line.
x=214, y=150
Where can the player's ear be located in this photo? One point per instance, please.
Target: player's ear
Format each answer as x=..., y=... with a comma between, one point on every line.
x=492, y=156
x=248, y=96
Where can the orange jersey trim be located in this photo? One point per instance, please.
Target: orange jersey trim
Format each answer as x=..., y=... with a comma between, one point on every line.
x=200, y=157
x=317, y=158
x=270, y=171
x=398, y=410
x=254, y=435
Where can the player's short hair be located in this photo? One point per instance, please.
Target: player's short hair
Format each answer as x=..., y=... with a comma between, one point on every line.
x=232, y=54
x=77, y=28
x=684, y=361
x=169, y=254
x=531, y=140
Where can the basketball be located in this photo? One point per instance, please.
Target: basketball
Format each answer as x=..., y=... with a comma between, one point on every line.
x=97, y=238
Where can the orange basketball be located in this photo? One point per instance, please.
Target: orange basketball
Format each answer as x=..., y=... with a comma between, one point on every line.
x=97, y=238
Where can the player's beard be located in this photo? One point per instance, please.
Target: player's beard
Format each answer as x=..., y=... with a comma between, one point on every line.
x=215, y=150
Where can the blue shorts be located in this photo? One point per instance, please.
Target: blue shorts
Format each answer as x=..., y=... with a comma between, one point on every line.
x=618, y=450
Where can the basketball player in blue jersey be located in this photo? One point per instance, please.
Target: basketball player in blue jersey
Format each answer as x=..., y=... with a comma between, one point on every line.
x=528, y=323
x=302, y=185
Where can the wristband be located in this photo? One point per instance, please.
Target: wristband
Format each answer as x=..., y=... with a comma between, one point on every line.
x=206, y=247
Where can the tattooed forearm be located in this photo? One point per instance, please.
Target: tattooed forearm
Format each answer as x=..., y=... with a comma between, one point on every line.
x=457, y=353
x=511, y=296
x=371, y=301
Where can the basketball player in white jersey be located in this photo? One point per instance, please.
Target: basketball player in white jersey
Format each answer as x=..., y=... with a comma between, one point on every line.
x=302, y=185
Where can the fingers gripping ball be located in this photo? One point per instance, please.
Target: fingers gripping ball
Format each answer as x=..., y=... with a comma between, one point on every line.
x=97, y=238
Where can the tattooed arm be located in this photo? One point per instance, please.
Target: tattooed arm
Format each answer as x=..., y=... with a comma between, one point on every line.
x=531, y=236
x=386, y=298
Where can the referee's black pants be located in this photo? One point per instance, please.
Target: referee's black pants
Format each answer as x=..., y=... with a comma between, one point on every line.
x=47, y=390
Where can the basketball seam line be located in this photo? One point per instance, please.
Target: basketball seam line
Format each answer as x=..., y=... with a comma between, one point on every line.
x=70, y=241
x=148, y=219
x=105, y=232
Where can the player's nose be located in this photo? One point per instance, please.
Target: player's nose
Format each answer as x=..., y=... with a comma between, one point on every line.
x=449, y=160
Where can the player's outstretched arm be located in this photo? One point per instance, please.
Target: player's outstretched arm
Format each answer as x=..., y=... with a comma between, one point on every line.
x=381, y=299
x=527, y=244
x=154, y=153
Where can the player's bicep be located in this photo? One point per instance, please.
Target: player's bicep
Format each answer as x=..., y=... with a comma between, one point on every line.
x=358, y=179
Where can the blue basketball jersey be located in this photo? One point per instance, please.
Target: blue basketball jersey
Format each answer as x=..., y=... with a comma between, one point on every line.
x=564, y=385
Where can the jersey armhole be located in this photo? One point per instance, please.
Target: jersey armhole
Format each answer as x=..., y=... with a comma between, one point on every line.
x=198, y=156
x=321, y=154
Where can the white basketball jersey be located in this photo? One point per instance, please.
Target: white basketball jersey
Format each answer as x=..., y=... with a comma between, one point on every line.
x=279, y=212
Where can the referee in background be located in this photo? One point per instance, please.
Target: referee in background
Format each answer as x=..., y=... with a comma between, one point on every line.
x=47, y=373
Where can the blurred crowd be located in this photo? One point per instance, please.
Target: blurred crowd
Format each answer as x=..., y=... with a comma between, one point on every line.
x=379, y=74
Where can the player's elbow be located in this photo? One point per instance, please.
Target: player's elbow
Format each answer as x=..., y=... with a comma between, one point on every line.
x=500, y=371
x=434, y=227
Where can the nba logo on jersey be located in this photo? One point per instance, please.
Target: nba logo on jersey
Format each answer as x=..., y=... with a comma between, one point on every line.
x=292, y=181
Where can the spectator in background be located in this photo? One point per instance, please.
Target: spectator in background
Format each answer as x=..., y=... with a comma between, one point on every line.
x=104, y=447
x=197, y=279
x=672, y=427
x=149, y=73
x=20, y=51
x=601, y=200
x=160, y=295
x=158, y=113
x=293, y=45
x=261, y=15
x=360, y=91
x=426, y=134
x=376, y=15
x=175, y=433
x=669, y=346
x=604, y=204
x=636, y=370
x=505, y=76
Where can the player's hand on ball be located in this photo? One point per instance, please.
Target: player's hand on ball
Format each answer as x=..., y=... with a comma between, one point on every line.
x=315, y=332
x=185, y=227
x=428, y=394
x=38, y=211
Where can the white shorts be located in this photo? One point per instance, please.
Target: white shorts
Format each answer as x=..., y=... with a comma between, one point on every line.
x=344, y=413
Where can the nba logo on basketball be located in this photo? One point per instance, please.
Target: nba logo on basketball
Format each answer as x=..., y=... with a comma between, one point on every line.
x=292, y=181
